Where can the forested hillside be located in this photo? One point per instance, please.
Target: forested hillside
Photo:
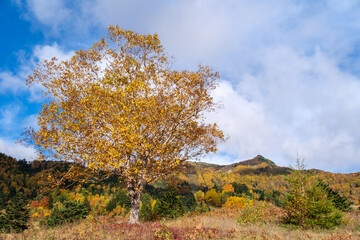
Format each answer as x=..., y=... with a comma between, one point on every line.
x=258, y=174
x=42, y=195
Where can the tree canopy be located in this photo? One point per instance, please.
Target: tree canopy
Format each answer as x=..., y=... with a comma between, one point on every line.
x=118, y=106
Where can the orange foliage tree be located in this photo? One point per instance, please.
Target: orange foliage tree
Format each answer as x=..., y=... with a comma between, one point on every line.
x=227, y=188
x=119, y=107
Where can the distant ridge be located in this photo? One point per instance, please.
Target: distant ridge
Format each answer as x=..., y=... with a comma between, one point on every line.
x=254, y=162
x=256, y=165
x=250, y=162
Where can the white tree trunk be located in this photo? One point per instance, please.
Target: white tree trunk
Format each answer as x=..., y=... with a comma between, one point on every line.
x=135, y=206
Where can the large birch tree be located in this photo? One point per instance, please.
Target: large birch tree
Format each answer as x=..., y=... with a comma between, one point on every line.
x=119, y=107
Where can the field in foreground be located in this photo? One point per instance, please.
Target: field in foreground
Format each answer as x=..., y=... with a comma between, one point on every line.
x=216, y=224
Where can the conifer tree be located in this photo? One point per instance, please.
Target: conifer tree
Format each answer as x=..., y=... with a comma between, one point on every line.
x=308, y=205
x=18, y=213
x=341, y=202
x=4, y=223
x=170, y=205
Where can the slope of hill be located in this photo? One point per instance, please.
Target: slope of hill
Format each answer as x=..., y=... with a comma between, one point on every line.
x=256, y=173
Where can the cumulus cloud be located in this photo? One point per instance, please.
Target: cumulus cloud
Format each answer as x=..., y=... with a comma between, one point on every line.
x=290, y=69
x=15, y=82
x=17, y=150
x=13, y=114
x=46, y=52
x=295, y=103
x=8, y=114
x=49, y=11
x=10, y=83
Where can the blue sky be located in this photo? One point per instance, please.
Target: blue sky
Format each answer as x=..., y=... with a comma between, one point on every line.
x=290, y=69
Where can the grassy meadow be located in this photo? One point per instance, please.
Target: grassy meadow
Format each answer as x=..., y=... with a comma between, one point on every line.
x=219, y=223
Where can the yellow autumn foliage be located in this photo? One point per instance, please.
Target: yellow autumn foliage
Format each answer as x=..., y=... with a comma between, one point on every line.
x=236, y=202
x=227, y=188
x=199, y=196
x=119, y=107
x=213, y=197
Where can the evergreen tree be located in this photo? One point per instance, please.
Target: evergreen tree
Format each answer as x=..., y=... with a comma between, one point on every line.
x=240, y=188
x=4, y=223
x=18, y=213
x=12, y=193
x=2, y=198
x=321, y=211
x=72, y=211
x=188, y=200
x=120, y=198
x=341, y=202
x=308, y=205
x=170, y=205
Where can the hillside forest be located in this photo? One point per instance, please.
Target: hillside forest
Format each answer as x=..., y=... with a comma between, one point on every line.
x=199, y=189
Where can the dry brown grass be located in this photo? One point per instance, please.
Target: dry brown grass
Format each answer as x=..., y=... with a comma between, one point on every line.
x=217, y=224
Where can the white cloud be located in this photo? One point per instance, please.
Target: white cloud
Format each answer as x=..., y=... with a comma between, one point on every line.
x=8, y=114
x=31, y=121
x=15, y=82
x=49, y=51
x=17, y=150
x=291, y=67
x=243, y=122
x=52, y=12
x=11, y=82
x=294, y=103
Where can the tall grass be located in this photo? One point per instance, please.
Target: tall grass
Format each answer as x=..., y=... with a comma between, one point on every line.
x=216, y=224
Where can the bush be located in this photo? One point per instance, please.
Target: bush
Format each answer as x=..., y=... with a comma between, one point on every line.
x=251, y=214
x=199, y=196
x=202, y=207
x=70, y=212
x=236, y=202
x=4, y=223
x=213, y=197
x=240, y=188
x=225, y=196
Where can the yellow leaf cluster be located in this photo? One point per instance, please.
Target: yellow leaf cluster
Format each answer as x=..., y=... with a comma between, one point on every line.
x=236, y=202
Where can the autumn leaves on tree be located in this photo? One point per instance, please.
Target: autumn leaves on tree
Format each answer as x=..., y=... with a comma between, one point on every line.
x=119, y=107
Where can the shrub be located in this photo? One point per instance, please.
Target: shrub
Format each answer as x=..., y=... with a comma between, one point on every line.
x=70, y=212
x=213, y=197
x=236, y=202
x=240, y=188
x=199, y=196
x=163, y=233
x=225, y=196
x=202, y=207
x=251, y=214
x=4, y=223
x=227, y=188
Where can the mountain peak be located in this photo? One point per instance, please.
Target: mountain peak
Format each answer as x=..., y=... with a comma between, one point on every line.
x=255, y=161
